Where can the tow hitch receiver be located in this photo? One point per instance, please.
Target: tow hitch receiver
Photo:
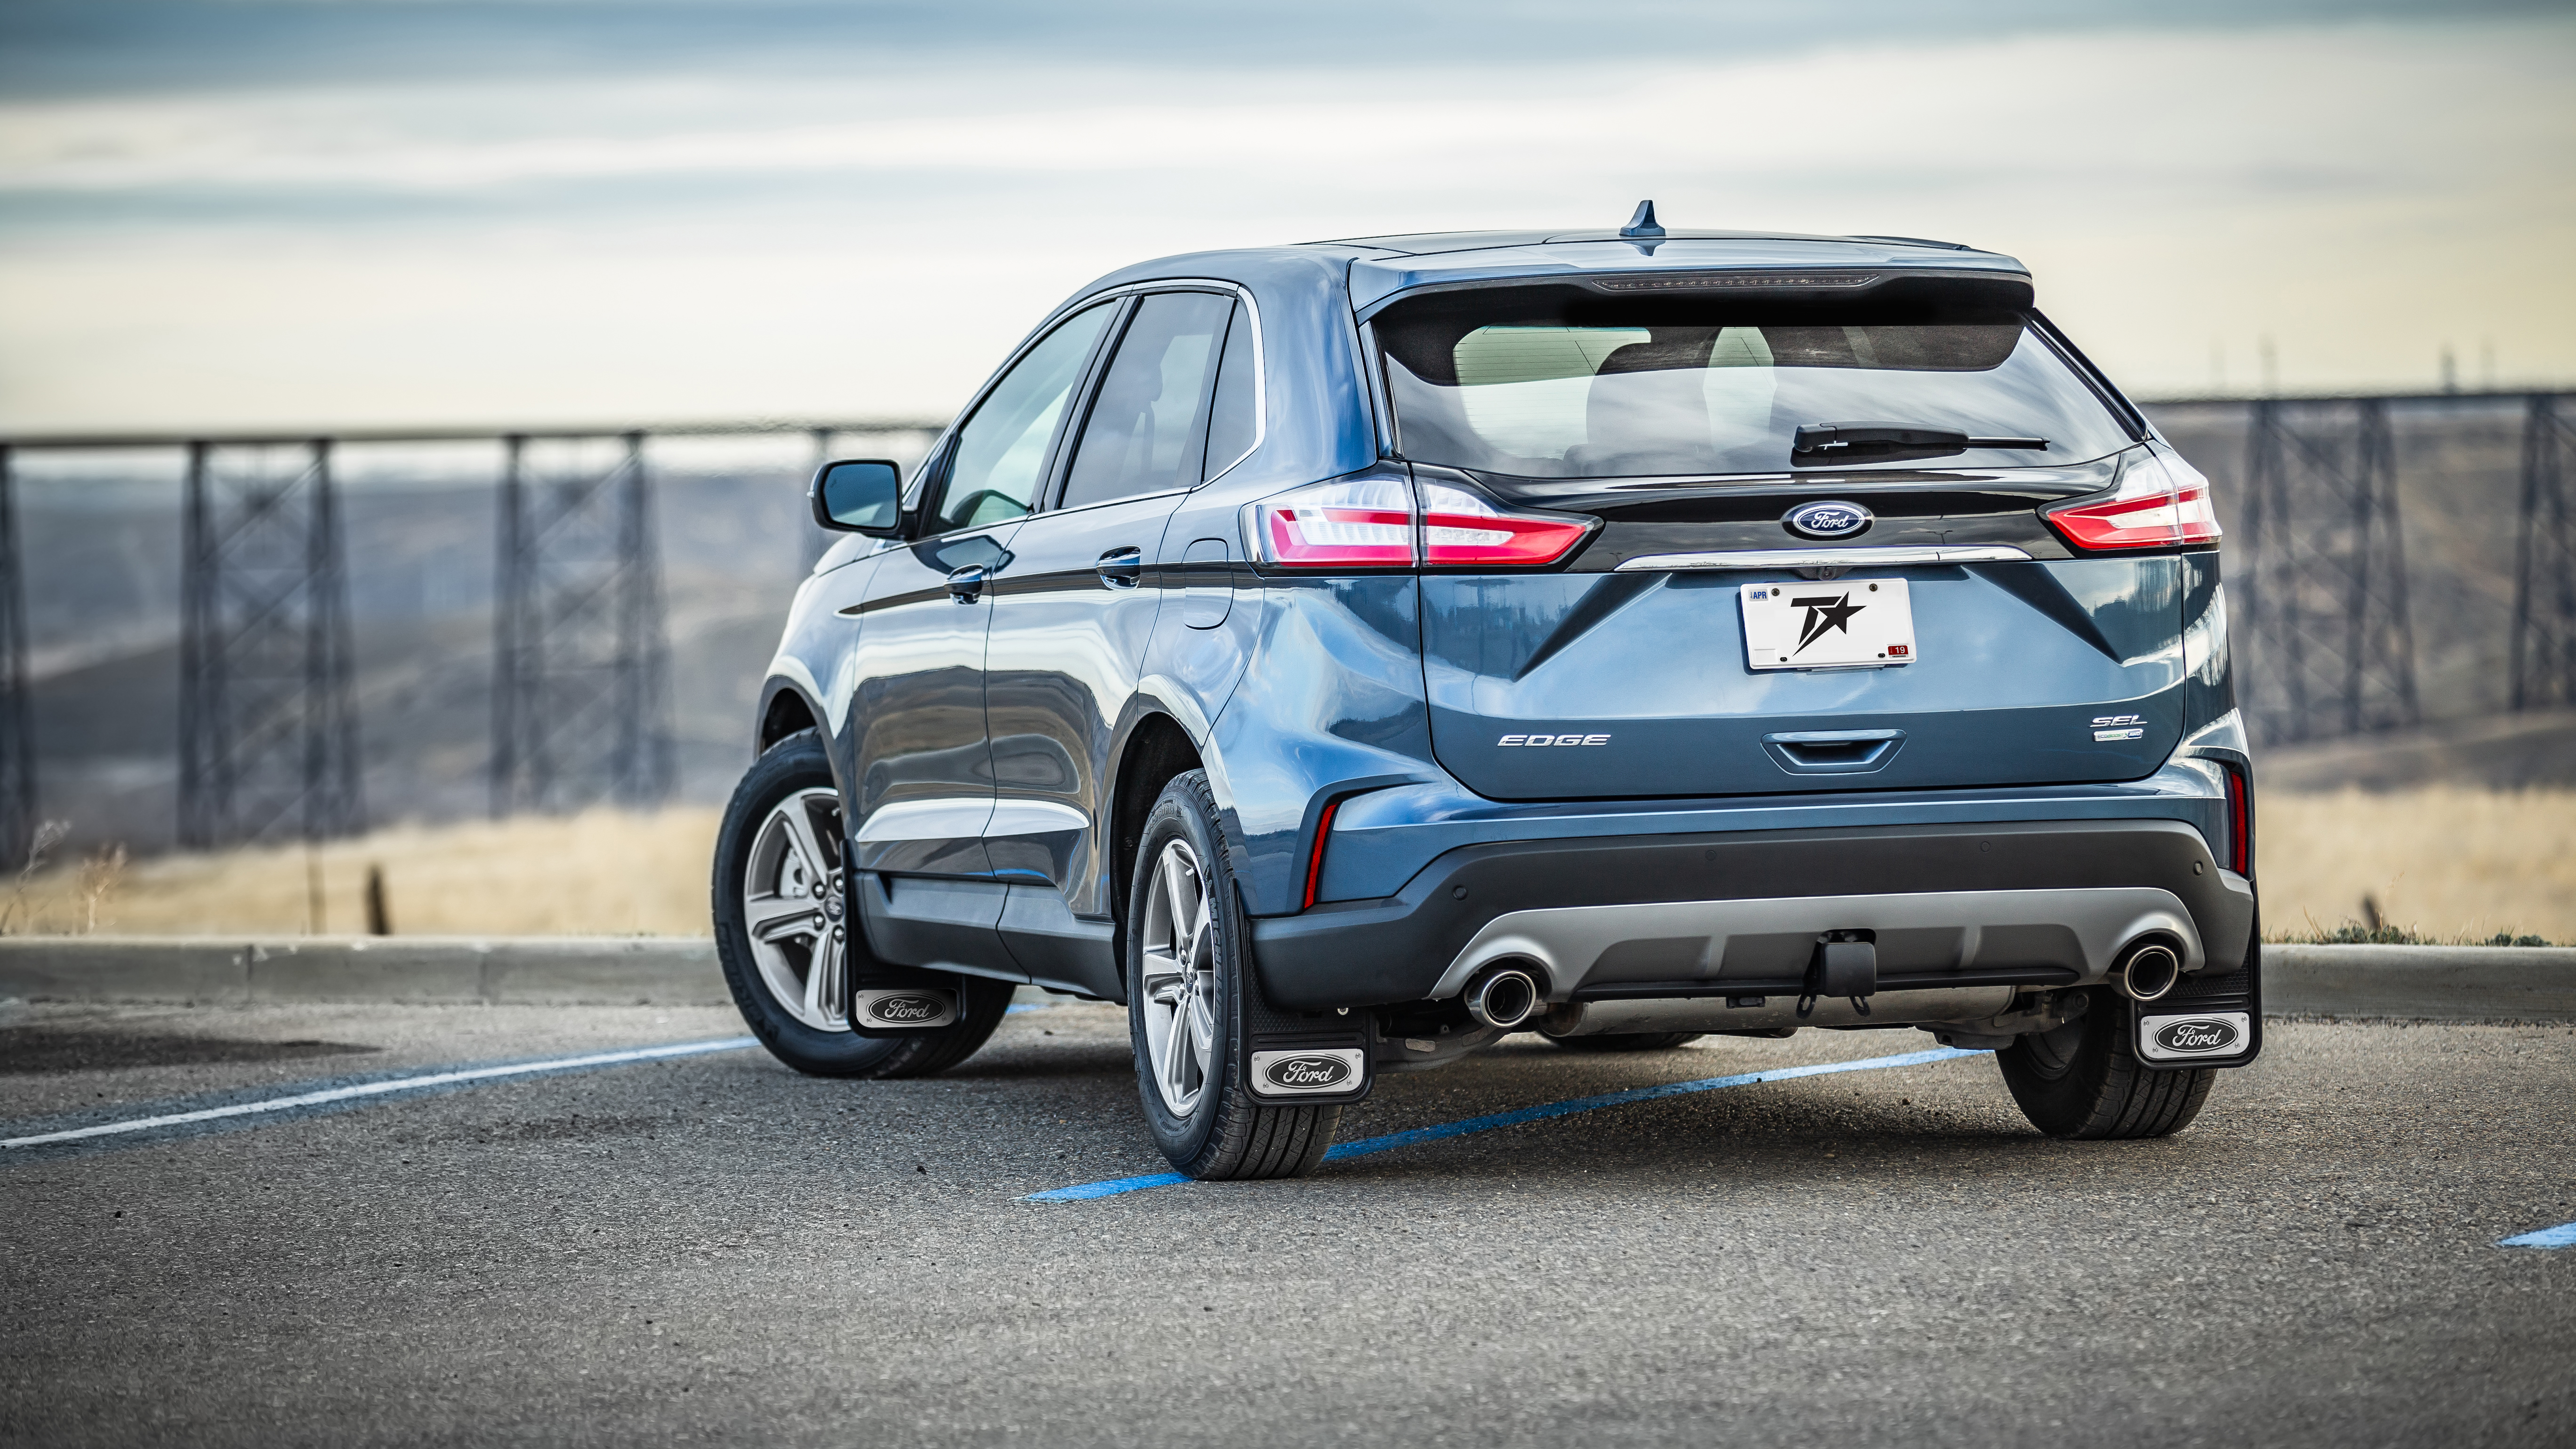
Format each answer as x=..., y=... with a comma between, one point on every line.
x=1845, y=964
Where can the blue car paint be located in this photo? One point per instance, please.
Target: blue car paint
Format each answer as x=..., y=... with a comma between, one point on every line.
x=1310, y=691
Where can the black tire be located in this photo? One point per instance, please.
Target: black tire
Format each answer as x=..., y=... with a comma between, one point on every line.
x=1221, y=1132
x=2083, y=1081
x=797, y=765
x=1627, y=1041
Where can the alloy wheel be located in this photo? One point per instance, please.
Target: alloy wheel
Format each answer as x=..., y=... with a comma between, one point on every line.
x=793, y=905
x=1179, y=996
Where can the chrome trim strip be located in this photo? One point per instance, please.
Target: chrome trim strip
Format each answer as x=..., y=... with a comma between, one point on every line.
x=1822, y=558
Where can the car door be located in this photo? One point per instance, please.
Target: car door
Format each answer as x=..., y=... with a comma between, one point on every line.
x=921, y=766
x=1073, y=613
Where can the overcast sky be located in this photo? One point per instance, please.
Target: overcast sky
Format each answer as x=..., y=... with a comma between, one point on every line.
x=346, y=212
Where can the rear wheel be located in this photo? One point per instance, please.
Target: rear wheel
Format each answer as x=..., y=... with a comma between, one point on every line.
x=783, y=935
x=1188, y=969
x=1626, y=1041
x=2083, y=1081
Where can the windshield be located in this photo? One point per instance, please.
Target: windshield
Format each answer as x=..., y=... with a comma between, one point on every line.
x=1525, y=381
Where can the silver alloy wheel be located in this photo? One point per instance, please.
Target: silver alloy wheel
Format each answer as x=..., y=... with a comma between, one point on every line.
x=1179, y=998
x=793, y=902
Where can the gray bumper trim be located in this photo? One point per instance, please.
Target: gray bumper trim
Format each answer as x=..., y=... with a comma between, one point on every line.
x=2081, y=930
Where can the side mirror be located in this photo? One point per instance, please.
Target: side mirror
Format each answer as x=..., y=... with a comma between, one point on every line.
x=863, y=495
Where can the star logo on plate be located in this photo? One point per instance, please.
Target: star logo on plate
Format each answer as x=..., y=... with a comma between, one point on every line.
x=1823, y=614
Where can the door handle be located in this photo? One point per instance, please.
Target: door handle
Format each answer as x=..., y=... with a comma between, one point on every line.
x=1834, y=752
x=966, y=585
x=1122, y=568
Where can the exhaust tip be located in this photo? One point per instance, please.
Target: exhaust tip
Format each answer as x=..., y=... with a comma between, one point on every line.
x=2148, y=972
x=1503, y=996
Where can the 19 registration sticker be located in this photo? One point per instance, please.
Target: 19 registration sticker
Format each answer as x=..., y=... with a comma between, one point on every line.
x=1844, y=624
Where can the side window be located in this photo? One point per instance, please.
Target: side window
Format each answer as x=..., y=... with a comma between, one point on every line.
x=1148, y=425
x=1001, y=453
x=1235, y=419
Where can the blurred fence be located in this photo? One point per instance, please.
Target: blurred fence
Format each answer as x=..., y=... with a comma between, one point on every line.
x=2323, y=498
x=267, y=738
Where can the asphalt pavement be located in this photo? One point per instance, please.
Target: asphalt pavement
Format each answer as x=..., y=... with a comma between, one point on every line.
x=588, y=1247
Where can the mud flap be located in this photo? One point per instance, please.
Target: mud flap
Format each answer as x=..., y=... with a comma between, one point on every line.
x=1321, y=1057
x=2214, y=1019
x=879, y=998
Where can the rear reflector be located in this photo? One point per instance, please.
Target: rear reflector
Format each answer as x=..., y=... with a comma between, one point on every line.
x=1373, y=523
x=1315, y=859
x=2240, y=822
x=2161, y=502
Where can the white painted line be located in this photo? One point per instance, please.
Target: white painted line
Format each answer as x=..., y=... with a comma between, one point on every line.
x=378, y=1089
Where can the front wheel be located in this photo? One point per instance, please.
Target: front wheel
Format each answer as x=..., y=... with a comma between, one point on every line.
x=785, y=939
x=1188, y=975
x=2083, y=1081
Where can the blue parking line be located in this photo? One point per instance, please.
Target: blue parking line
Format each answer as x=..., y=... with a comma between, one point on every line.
x=222, y=1112
x=1416, y=1135
x=2561, y=1236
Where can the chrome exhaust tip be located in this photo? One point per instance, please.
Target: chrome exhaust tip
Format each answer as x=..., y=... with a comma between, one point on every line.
x=2148, y=972
x=1504, y=996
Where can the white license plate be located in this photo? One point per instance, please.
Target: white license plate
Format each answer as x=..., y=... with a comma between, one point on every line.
x=1845, y=624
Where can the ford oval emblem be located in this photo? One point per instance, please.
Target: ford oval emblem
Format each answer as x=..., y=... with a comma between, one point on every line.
x=1309, y=1074
x=907, y=1010
x=2196, y=1036
x=1828, y=518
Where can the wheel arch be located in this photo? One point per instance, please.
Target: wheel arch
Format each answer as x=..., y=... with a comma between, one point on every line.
x=784, y=709
x=1156, y=751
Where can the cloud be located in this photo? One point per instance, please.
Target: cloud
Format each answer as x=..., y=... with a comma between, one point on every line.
x=719, y=242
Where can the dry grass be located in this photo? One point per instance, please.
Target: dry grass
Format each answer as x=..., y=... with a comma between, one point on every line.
x=2444, y=862
x=605, y=873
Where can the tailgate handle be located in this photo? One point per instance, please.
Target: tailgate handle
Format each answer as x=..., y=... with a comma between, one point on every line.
x=1833, y=752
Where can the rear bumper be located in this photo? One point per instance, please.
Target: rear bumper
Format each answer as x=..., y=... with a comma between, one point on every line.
x=1952, y=905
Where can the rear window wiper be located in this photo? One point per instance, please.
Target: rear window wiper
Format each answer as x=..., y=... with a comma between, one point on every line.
x=1853, y=442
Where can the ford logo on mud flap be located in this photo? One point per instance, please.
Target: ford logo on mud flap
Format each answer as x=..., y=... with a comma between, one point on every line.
x=1828, y=518
x=1308, y=1074
x=2196, y=1036
x=908, y=1010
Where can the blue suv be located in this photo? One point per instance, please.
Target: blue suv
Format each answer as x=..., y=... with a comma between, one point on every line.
x=1347, y=654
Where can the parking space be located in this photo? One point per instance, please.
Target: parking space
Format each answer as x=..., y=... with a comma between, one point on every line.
x=707, y=1246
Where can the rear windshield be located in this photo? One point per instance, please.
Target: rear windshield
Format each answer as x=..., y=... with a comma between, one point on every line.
x=1545, y=383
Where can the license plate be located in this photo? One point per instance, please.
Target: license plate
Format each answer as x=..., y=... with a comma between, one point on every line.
x=1846, y=624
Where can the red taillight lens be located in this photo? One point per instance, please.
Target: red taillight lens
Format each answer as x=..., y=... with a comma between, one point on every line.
x=1366, y=524
x=1315, y=859
x=1460, y=528
x=1371, y=523
x=2240, y=822
x=2161, y=503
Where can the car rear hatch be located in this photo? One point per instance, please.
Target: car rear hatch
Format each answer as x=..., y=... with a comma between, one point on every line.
x=1913, y=544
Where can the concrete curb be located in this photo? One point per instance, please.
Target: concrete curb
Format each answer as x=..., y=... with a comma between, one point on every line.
x=2421, y=983
x=427, y=970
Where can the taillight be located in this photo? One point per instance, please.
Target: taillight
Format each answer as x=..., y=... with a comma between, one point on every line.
x=2162, y=502
x=1363, y=524
x=1372, y=523
x=1460, y=528
x=2240, y=822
